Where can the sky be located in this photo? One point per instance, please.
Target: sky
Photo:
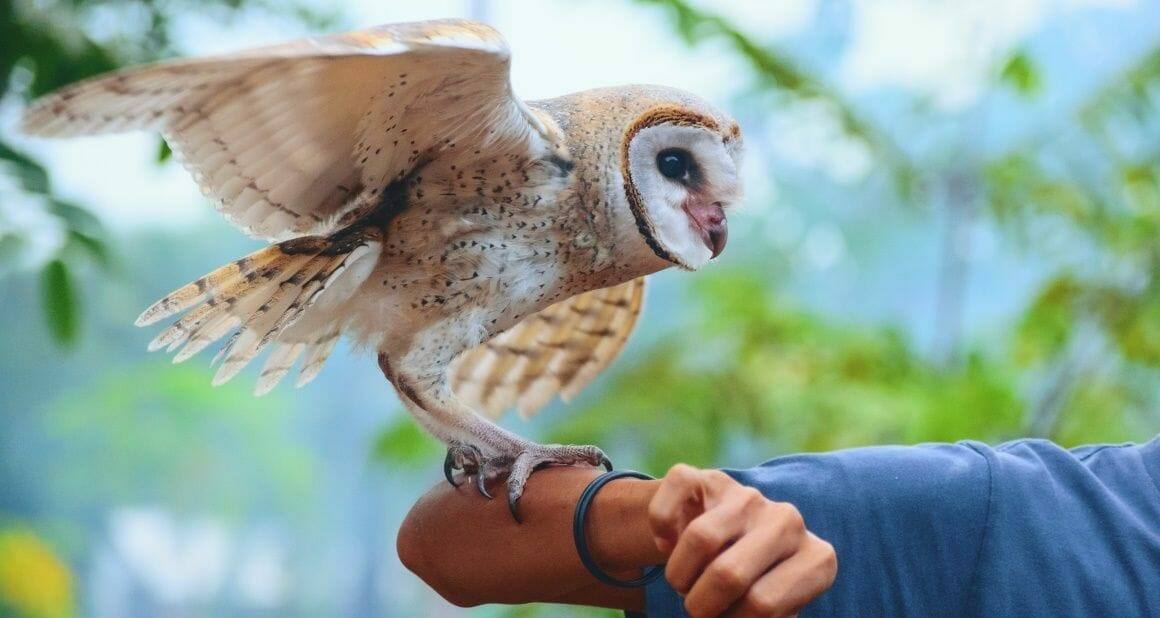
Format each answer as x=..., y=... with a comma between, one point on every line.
x=562, y=46
x=943, y=52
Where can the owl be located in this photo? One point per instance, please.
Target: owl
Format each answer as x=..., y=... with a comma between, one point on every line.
x=491, y=251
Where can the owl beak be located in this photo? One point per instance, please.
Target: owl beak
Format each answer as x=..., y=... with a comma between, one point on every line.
x=709, y=220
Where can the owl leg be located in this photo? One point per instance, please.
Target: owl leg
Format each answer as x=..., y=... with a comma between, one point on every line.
x=539, y=456
x=517, y=459
x=479, y=447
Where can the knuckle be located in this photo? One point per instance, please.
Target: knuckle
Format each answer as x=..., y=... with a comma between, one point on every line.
x=681, y=473
x=694, y=610
x=656, y=513
x=717, y=476
x=762, y=603
x=826, y=552
x=701, y=536
x=791, y=516
x=828, y=558
x=728, y=576
x=752, y=497
x=753, y=493
x=676, y=580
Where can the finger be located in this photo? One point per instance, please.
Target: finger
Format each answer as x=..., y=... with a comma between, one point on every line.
x=730, y=576
x=701, y=542
x=676, y=503
x=792, y=584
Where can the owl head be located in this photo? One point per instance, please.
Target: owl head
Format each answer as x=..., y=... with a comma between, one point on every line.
x=679, y=159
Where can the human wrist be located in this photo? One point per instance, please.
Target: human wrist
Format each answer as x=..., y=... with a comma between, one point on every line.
x=618, y=532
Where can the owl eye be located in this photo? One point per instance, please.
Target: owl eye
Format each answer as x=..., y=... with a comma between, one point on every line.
x=674, y=163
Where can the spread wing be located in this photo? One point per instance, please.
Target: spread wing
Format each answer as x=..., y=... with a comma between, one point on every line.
x=281, y=137
x=557, y=350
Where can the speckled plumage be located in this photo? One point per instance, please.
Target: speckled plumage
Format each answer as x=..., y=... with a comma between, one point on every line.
x=491, y=251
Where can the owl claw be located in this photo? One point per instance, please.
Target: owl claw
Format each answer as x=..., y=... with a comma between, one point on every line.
x=537, y=457
x=514, y=507
x=465, y=457
x=448, y=467
x=524, y=459
x=481, y=484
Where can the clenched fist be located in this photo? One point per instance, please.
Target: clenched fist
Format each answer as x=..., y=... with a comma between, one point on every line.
x=731, y=551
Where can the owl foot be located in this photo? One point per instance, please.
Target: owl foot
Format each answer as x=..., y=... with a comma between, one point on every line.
x=537, y=456
x=465, y=457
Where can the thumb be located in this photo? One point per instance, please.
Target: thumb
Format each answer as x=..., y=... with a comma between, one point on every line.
x=678, y=501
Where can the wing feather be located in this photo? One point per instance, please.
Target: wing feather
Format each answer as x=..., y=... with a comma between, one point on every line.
x=282, y=137
x=555, y=351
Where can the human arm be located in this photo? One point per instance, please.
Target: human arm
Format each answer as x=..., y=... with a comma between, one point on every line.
x=726, y=545
x=945, y=529
x=471, y=551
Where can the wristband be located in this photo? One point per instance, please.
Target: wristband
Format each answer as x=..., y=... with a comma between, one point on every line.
x=578, y=519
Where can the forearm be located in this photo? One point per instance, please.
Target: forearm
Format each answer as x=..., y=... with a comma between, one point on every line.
x=471, y=551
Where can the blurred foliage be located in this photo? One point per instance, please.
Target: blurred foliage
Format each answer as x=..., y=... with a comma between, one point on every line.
x=755, y=376
x=34, y=582
x=1107, y=211
x=59, y=301
x=403, y=443
x=1020, y=73
x=776, y=379
x=775, y=71
x=221, y=441
x=45, y=45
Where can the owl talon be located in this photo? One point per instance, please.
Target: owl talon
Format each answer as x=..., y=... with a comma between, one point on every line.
x=606, y=462
x=514, y=507
x=481, y=484
x=448, y=469
x=460, y=456
x=537, y=457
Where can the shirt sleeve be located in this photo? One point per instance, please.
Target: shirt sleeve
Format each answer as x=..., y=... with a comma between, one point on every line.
x=1070, y=533
x=1026, y=528
x=905, y=522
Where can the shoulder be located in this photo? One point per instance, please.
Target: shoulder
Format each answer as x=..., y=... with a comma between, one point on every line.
x=1071, y=532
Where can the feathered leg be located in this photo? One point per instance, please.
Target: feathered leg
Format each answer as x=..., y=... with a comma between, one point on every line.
x=477, y=446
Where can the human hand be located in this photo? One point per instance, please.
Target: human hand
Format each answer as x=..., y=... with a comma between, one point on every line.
x=733, y=552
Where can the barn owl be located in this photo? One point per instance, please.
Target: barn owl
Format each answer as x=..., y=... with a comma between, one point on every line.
x=491, y=251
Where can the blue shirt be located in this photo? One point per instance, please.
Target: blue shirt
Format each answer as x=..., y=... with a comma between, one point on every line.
x=1026, y=528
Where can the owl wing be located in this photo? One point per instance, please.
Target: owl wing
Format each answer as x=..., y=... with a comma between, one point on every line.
x=281, y=137
x=557, y=350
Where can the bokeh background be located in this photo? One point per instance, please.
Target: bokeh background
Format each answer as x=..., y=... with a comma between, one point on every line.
x=952, y=231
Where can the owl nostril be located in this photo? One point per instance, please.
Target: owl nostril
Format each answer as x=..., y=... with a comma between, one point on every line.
x=717, y=213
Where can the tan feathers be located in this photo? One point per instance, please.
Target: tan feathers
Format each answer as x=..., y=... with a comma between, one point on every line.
x=283, y=137
x=261, y=296
x=215, y=283
x=421, y=207
x=558, y=350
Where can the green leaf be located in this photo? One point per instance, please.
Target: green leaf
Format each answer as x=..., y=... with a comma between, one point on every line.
x=75, y=217
x=164, y=152
x=60, y=302
x=30, y=174
x=1048, y=323
x=92, y=245
x=1020, y=73
x=405, y=443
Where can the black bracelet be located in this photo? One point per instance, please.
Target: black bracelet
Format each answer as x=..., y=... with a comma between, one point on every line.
x=578, y=534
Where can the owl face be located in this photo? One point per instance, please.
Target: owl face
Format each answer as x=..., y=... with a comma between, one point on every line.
x=681, y=175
